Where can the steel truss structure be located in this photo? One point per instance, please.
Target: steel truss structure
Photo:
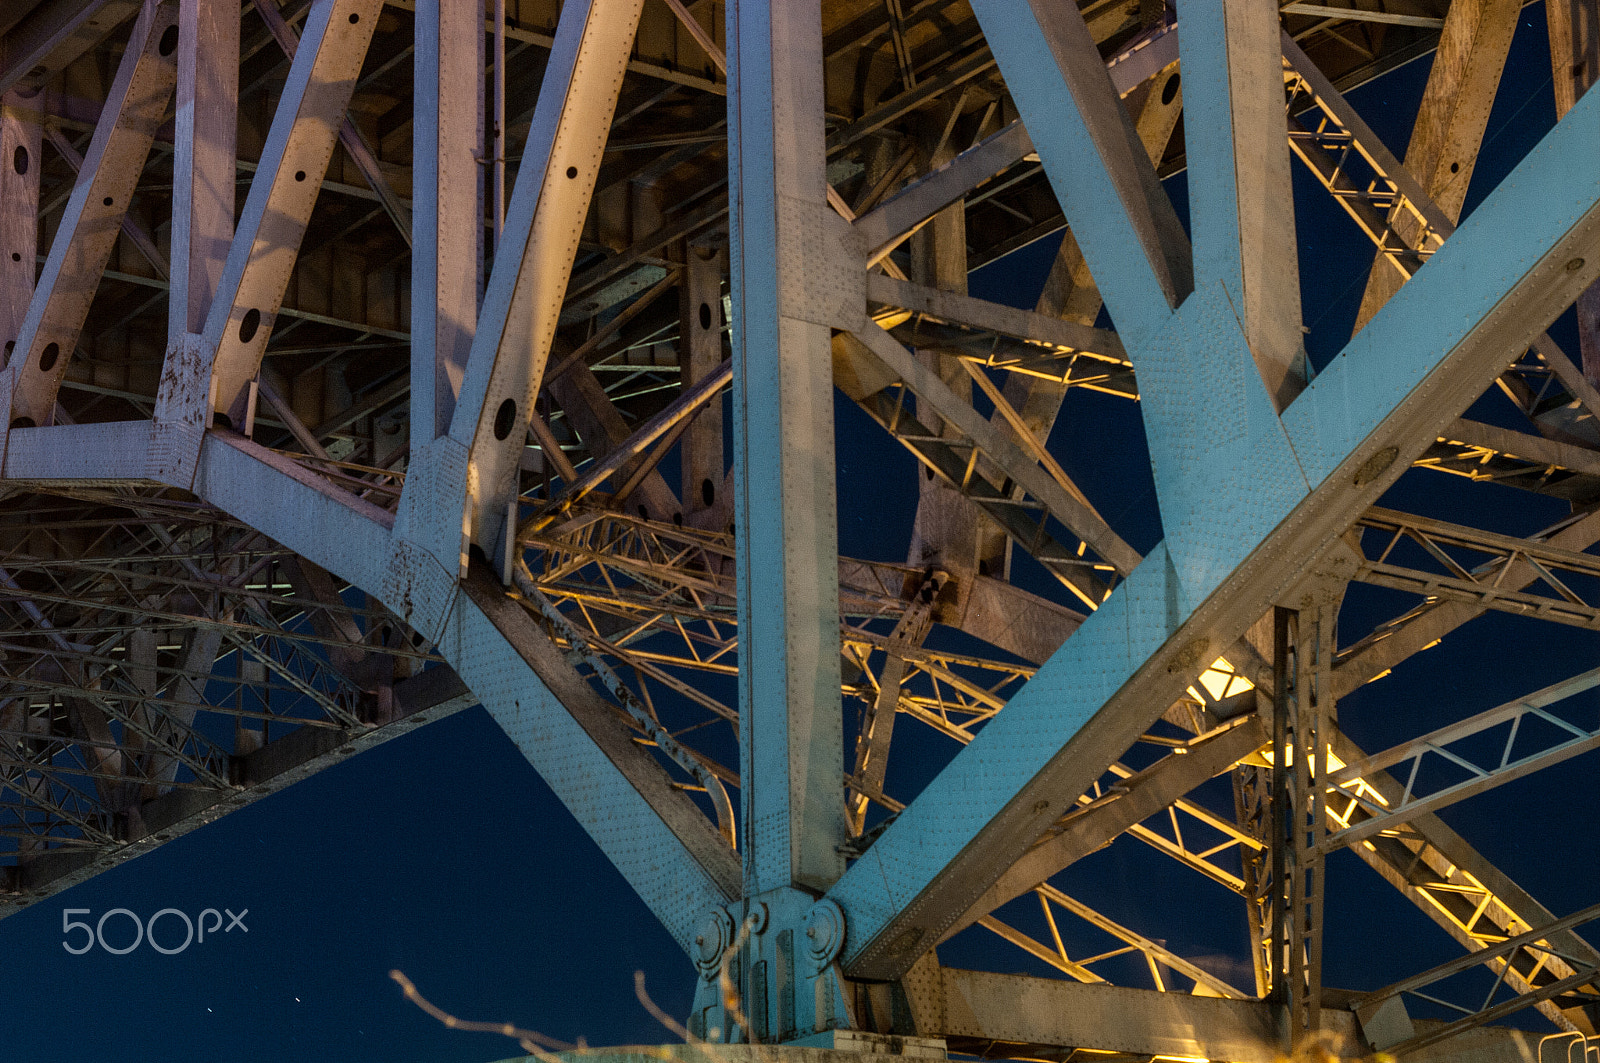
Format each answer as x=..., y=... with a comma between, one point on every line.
x=338, y=398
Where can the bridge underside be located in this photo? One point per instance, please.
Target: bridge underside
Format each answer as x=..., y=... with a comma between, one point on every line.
x=641, y=398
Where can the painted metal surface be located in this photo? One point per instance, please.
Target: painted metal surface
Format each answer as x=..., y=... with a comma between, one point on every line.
x=638, y=598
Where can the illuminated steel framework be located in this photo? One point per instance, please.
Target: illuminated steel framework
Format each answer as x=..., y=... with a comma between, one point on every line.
x=337, y=399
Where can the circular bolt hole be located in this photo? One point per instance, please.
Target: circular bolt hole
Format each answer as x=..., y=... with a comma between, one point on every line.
x=299, y=175
x=705, y=315
x=169, y=41
x=248, y=325
x=354, y=18
x=708, y=491
x=572, y=171
x=1575, y=265
x=19, y=159
x=108, y=201
x=1170, y=89
x=1455, y=167
x=48, y=356
x=22, y=422
x=16, y=256
x=504, y=418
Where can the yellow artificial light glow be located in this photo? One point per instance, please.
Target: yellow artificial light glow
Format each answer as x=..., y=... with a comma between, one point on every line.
x=1222, y=681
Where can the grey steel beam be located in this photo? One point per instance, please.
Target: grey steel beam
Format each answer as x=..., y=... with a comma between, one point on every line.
x=350, y=138
x=212, y=372
x=700, y=327
x=1138, y=797
x=205, y=135
x=132, y=229
x=894, y=220
x=1518, y=261
x=20, y=163
x=88, y=229
x=791, y=743
x=469, y=478
x=1574, y=34
x=447, y=208
x=993, y=317
x=1121, y=215
x=1002, y=1015
x=1241, y=200
x=1450, y=121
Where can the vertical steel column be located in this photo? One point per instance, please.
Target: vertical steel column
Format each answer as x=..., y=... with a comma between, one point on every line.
x=205, y=129
x=1241, y=200
x=446, y=208
x=1303, y=645
x=700, y=326
x=791, y=746
x=1575, y=64
x=19, y=222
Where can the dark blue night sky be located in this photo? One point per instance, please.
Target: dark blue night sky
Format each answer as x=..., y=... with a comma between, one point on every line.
x=444, y=855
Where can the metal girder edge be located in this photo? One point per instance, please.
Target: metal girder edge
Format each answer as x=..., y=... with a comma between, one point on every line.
x=666, y=848
x=973, y=1007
